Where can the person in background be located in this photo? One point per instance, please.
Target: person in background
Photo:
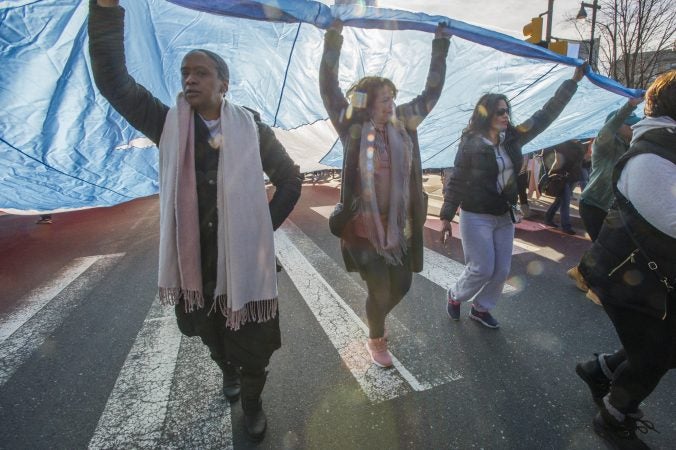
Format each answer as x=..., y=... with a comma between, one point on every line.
x=45, y=219
x=217, y=259
x=586, y=164
x=632, y=269
x=382, y=180
x=483, y=184
x=597, y=197
x=522, y=186
x=568, y=158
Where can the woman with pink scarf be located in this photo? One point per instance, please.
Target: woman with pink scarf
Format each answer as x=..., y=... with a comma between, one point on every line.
x=382, y=180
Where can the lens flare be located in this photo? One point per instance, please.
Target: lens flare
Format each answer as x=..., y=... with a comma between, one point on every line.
x=518, y=282
x=535, y=268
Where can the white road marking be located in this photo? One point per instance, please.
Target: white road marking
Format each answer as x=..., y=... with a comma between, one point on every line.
x=198, y=416
x=343, y=327
x=346, y=331
x=42, y=295
x=25, y=329
x=443, y=271
x=437, y=268
x=526, y=246
x=136, y=409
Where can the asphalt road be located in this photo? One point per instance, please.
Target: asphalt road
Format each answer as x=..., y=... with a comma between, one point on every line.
x=88, y=358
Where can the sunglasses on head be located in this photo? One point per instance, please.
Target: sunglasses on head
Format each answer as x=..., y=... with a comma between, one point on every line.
x=501, y=112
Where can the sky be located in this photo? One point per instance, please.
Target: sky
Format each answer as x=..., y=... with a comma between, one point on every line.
x=506, y=16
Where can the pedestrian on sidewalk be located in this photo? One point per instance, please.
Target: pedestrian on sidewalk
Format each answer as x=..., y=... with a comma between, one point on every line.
x=567, y=164
x=632, y=269
x=382, y=180
x=45, y=219
x=210, y=152
x=483, y=185
x=597, y=197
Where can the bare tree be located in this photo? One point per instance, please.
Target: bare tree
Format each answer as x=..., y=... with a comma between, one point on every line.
x=637, y=38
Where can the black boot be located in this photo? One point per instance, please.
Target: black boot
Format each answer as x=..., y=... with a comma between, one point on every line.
x=255, y=421
x=621, y=434
x=592, y=374
x=231, y=382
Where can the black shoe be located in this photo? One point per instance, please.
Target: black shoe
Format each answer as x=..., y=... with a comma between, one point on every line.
x=621, y=435
x=452, y=307
x=550, y=223
x=231, y=383
x=568, y=231
x=484, y=318
x=598, y=383
x=255, y=423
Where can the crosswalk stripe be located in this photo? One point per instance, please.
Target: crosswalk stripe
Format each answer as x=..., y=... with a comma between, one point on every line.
x=136, y=409
x=435, y=370
x=437, y=268
x=343, y=327
x=39, y=297
x=198, y=416
x=443, y=271
x=25, y=329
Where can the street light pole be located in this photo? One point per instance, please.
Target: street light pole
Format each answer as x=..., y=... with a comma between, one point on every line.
x=550, y=11
x=583, y=15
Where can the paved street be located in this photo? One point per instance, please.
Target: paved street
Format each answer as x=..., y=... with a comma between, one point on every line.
x=88, y=359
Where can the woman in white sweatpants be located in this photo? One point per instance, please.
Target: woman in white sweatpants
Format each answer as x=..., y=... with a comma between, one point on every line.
x=483, y=184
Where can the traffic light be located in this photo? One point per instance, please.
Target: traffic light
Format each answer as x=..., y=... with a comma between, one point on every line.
x=533, y=31
x=560, y=47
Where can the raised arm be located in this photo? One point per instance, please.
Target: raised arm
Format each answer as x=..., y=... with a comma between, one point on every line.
x=538, y=122
x=106, y=49
x=415, y=111
x=333, y=98
x=607, y=133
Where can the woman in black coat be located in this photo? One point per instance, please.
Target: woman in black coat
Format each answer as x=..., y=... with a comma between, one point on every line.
x=382, y=180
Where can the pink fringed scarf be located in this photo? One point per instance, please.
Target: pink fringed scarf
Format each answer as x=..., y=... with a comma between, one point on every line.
x=246, y=285
x=389, y=239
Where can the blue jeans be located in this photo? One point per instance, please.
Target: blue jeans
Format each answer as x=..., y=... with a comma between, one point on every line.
x=487, y=242
x=562, y=201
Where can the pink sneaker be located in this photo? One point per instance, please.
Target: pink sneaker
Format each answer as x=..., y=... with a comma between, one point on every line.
x=377, y=349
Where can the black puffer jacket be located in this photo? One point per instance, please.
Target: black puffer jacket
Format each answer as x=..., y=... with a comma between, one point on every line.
x=613, y=267
x=473, y=182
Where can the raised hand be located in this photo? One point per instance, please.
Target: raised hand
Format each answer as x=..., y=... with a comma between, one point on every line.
x=337, y=26
x=579, y=72
x=441, y=31
x=636, y=100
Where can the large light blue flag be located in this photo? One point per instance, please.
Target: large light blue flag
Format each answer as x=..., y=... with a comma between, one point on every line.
x=63, y=146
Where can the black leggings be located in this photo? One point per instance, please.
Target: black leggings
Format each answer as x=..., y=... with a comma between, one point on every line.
x=593, y=218
x=649, y=351
x=387, y=285
x=522, y=187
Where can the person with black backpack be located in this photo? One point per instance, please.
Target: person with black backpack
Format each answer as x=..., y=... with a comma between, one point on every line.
x=632, y=270
x=564, y=173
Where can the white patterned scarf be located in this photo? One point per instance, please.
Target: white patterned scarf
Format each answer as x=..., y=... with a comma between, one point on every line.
x=246, y=284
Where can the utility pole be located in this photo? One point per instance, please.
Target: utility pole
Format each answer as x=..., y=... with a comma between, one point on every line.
x=550, y=11
x=615, y=42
